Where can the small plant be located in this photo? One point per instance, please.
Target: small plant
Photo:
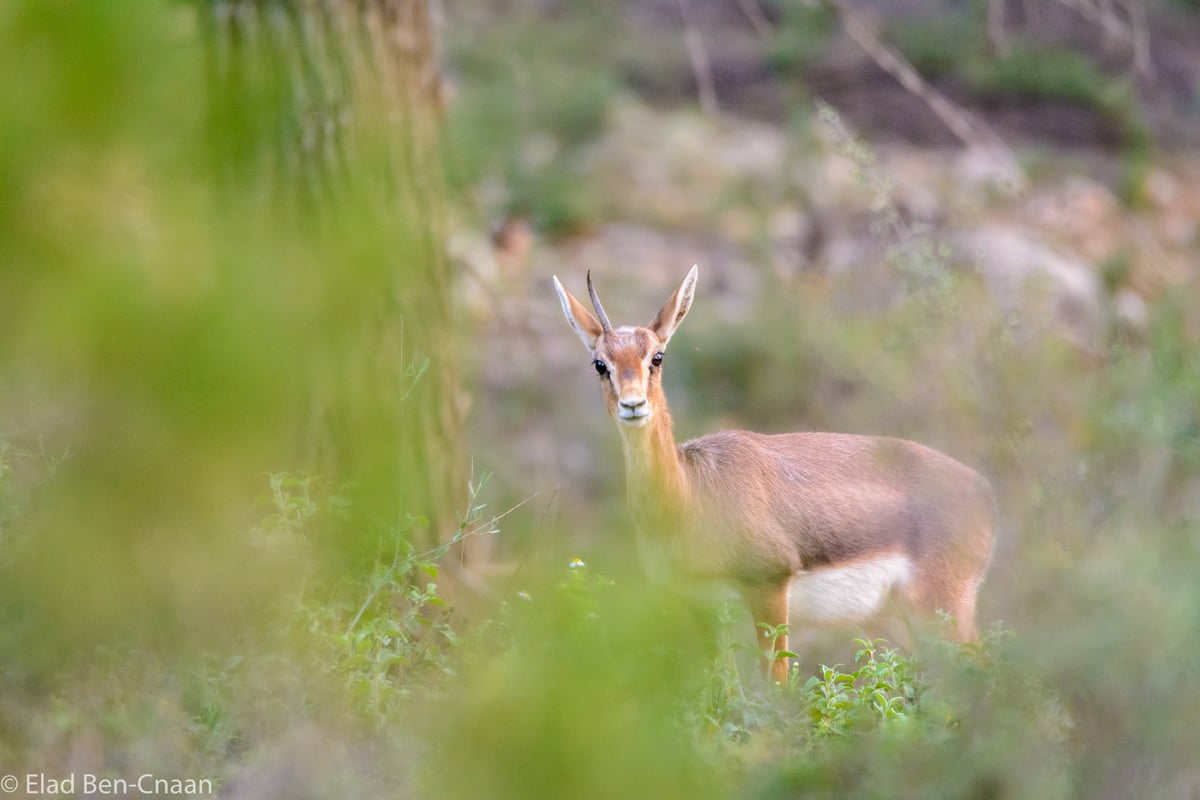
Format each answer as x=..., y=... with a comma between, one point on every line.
x=208, y=699
x=770, y=635
x=384, y=637
x=292, y=506
x=728, y=707
x=400, y=636
x=883, y=687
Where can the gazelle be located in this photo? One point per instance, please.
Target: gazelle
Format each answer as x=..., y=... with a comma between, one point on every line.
x=826, y=525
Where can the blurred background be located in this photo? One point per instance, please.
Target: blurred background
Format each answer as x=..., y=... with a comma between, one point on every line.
x=296, y=446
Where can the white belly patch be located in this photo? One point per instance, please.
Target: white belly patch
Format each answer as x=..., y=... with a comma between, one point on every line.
x=850, y=593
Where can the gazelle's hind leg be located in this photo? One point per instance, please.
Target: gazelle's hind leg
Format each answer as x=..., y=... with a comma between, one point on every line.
x=964, y=612
x=952, y=594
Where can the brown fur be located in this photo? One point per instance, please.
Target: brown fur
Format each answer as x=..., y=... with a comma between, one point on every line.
x=761, y=509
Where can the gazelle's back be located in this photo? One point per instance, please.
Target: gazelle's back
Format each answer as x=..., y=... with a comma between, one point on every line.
x=815, y=501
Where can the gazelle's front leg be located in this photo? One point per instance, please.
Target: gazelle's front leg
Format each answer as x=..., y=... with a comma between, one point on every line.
x=769, y=605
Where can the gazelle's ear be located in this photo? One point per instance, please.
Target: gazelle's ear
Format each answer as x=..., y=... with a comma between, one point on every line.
x=675, y=309
x=587, y=326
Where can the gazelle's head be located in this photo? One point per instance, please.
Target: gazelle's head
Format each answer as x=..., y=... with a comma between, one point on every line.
x=629, y=358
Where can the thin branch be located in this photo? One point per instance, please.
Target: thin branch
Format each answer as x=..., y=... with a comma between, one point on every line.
x=1141, y=39
x=374, y=592
x=701, y=65
x=1101, y=17
x=532, y=541
x=757, y=19
x=482, y=529
x=996, y=31
x=967, y=128
x=1134, y=33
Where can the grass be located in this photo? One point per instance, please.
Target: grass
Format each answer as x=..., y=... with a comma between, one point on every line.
x=606, y=685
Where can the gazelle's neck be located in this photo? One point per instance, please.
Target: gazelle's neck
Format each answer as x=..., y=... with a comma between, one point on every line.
x=655, y=480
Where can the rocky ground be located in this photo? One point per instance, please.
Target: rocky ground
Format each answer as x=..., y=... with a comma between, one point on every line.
x=1051, y=238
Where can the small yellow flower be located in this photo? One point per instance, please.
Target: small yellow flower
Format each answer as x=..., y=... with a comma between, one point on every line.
x=576, y=563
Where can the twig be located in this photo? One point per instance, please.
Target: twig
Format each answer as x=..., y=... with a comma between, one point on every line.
x=1134, y=33
x=1141, y=39
x=486, y=528
x=997, y=34
x=532, y=541
x=757, y=19
x=1103, y=18
x=375, y=591
x=701, y=66
x=969, y=130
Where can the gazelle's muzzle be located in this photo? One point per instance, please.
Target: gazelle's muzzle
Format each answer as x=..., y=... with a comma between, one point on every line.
x=633, y=410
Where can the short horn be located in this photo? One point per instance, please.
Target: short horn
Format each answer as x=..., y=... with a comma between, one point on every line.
x=604, y=323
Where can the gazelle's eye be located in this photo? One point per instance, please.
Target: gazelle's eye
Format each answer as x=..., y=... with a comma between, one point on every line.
x=601, y=367
x=657, y=360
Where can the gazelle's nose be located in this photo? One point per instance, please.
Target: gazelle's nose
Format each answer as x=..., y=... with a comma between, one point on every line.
x=633, y=403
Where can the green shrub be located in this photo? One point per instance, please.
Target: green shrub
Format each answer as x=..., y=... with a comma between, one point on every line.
x=882, y=688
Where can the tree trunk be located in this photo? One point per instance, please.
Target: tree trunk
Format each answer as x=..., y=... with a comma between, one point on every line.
x=334, y=104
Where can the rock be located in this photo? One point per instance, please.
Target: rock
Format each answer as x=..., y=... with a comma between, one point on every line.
x=1083, y=214
x=632, y=262
x=1130, y=309
x=988, y=170
x=1177, y=210
x=1047, y=289
x=676, y=168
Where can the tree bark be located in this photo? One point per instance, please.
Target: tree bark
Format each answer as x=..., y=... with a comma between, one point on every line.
x=334, y=105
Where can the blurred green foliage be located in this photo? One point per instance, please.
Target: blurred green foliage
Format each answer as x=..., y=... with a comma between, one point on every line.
x=181, y=320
